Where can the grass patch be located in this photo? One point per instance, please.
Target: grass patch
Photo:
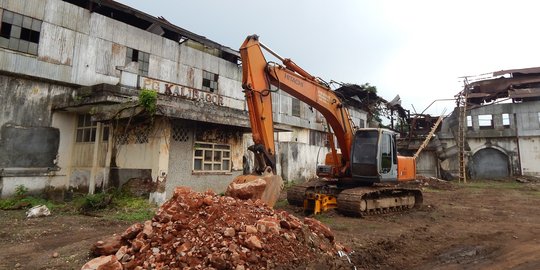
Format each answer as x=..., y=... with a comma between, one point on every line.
x=27, y=202
x=281, y=204
x=491, y=185
x=112, y=205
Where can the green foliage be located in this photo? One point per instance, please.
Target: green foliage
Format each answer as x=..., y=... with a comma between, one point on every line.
x=111, y=205
x=26, y=202
x=148, y=100
x=21, y=191
x=369, y=88
x=93, y=202
x=281, y=204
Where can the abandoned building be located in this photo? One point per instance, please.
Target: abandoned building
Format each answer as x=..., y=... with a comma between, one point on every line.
x=500, y=130
x=72, y=75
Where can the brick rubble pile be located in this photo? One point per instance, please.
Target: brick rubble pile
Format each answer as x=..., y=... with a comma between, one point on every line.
x=206, y=231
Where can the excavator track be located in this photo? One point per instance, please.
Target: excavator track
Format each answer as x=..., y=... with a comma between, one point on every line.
x=360, y=201
x=363, y=201
x=297, y=193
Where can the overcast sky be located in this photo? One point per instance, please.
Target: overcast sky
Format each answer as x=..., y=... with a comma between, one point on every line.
x=417, y=49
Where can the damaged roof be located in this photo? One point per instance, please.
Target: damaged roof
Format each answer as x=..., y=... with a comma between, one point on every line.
x=157, y=25
x=517, y=84
x=363, y=98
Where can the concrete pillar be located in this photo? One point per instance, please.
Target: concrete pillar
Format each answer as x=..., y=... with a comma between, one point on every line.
x=95, y=158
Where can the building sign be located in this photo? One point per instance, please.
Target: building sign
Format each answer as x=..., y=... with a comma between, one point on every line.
x=176, y=90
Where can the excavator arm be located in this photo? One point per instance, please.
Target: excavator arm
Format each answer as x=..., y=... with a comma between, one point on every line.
x=259, y=75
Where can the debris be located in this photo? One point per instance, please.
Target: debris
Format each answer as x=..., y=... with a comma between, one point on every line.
x=55, y=255
x=204, y=231
x=103, y=262
x=38, y=211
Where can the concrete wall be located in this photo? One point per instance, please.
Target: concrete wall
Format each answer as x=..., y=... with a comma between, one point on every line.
x=299, y=161
x=181, y=163
x=517, y=142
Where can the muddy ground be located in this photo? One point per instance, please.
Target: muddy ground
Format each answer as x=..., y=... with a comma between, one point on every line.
x=481, y=225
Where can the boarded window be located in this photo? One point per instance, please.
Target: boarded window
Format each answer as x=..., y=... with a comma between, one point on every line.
x=506, y=120
x=19, y=32
x=210, y=81
x=143, y=58
x=295, y=107
x=211, y=157
x=485, y=121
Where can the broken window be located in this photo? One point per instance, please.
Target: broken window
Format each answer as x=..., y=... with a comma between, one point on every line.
x=295, y=107
x=19, y=32
x=133, y=55
x=485, y=121
x=210, y=81
x=211, y=157
x=469, y=122
x=506, y=120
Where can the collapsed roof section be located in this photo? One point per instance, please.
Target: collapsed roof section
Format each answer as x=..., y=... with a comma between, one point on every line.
x=365, y=98
x=157, y=25
x=520, y=85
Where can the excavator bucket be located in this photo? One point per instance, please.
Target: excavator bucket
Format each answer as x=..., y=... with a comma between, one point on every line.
x=265, y=187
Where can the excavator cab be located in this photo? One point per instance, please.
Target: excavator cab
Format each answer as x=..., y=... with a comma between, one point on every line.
x=374, y=156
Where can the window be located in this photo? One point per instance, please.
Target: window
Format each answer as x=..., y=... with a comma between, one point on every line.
x=19, y=32
x=210, y=81
x=318, y=138
x=506, y=120
x=211, y=157
x=538, y=117
x=295, y=107
x=485, y=121
x=133, y=55
x=86, y=129
x=386, y=153
x=362, y=123
x=469, y=122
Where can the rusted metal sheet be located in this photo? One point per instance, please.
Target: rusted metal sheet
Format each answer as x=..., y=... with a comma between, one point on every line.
x=524, y=93
x=532, y=70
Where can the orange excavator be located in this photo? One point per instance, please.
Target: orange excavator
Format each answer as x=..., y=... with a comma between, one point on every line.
x=359, y=180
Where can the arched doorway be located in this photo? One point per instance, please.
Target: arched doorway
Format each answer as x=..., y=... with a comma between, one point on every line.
x=489, y=163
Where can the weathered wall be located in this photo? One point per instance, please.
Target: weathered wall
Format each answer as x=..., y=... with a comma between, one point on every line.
x=524, y=127
x=299, y=161
x=427, y=164
x=529, y=149
x=181, y=164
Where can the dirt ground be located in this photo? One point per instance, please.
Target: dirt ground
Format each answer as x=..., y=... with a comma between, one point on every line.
x=480, y=225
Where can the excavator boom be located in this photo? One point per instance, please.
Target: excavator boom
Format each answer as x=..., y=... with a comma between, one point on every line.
x=367, y=156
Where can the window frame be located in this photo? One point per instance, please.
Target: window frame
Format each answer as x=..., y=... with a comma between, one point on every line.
x=482, y=121
x=138, y=56
x=505, y=124
x=19, y=32
x=210, y=81
x=224, y=157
